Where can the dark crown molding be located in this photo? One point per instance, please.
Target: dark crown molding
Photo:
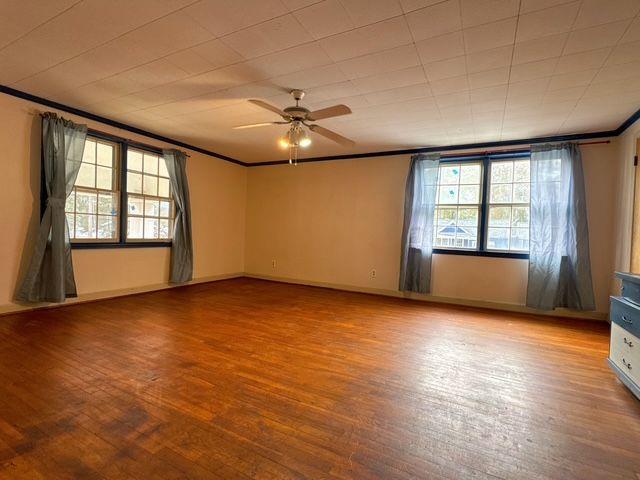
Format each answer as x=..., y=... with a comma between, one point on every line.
x=385, y=153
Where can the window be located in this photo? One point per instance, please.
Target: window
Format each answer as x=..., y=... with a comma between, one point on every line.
x=482, y=206
x=116, y=173
x=509, y=206
x=149, y=203
x=458, y=205
x=92, y=207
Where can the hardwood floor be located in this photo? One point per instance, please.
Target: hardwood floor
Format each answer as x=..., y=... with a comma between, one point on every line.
x=251, y=379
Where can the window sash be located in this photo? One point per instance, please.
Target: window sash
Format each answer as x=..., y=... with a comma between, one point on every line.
x=484, y=208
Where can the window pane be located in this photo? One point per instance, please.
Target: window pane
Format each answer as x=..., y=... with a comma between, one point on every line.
x=498, y=238
x=150, y=164
x=162, y=168
x=500, y=216
x=85, y=226
x=134, y=227
x=470, y=174
x=86, y=202
x=134, y=160
x=150, y=185
x=501, y=193
x=165, y=208
x=449, y=174
x=135, y=206
x=106, y=226
x=520, y=239
x=104, y=179
x=89, y=155
x=86, y=176
x=164, y=228
x=163, y=187
x=134, y=182
x=520, y=217
x=521, y=171
x=469, y=194
x=521, y=192
x=466, y=237
x=151, y=207
x=448, y=194
x=70, y=203
x=71, y=224
x=501, y=172
x=107, y=204
x=150, y=228
x=468, y=217
x=105, y=155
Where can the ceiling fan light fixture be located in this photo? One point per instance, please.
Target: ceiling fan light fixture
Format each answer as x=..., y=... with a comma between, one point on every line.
x=283, y=142
x=305, y=141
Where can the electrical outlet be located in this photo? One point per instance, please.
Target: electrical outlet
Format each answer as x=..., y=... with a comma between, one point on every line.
x=373, y=273
x=273, y=264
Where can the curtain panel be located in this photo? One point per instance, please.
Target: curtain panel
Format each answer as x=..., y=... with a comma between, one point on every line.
x=182, y=247
x=49, y=277
x=417, y=230
x=559, y=263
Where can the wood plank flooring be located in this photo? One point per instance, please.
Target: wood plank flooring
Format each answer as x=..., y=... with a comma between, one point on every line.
x=248, y=379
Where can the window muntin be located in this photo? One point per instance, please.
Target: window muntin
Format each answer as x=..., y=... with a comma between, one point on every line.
x=458, y=202
x=508, y=206
x=92, y=208
x=150, y=208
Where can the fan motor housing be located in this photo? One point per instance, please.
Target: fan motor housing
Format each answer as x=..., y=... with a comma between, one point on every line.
x=298, y=113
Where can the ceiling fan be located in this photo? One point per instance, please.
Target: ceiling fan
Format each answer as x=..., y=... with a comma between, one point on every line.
x=298, y=118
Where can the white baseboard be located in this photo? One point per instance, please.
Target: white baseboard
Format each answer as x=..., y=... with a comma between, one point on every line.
x=509, y=307
x=91, y=297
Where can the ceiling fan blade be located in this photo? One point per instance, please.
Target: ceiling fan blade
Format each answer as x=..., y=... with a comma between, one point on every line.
x=254, y=125
x=268, y=106
x=335, y=111
x=332, y=135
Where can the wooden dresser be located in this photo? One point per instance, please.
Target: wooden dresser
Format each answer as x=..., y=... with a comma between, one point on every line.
x=624, y=350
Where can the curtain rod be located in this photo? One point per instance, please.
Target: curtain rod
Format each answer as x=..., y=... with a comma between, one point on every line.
x=508, y=150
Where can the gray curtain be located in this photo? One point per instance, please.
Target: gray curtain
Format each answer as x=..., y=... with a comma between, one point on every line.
x=49, y=277
x=182, y=248
x=417, y=231
x=559, y=264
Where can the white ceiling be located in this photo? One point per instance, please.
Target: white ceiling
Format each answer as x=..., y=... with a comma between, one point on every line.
x=415, y=72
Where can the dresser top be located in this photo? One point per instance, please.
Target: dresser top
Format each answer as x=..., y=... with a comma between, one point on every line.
x=629, y=277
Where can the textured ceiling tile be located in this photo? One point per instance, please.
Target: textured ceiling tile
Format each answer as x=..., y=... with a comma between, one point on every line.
x=389, y=80
x=450, y=85
x=398, y=94
x=489, y=78
x=539, y=49
x=530, y=71
x=222, y=17
x=452, y=67
x=551, y=21
x=365, y=12
x=573, y=79
x=597, y=12
x=595, y=37
x=490, y=35
x=381, y=62
x=489, y=59
x=268, y=37
x=373, y=38
x=582, y=61
x=440, y=48
x=435, y=20
x=325, y=18
x=477, y=12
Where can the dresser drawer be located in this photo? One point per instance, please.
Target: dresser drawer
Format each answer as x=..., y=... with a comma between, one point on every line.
x=625, y=314
x=624, y=351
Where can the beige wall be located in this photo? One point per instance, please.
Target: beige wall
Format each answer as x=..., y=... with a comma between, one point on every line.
x=626, y=149
x=334, y=222
x=218, y=195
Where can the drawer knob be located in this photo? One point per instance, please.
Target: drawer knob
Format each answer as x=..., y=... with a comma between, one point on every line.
x=626, y=320
x=628, y=342
x=626, y=364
